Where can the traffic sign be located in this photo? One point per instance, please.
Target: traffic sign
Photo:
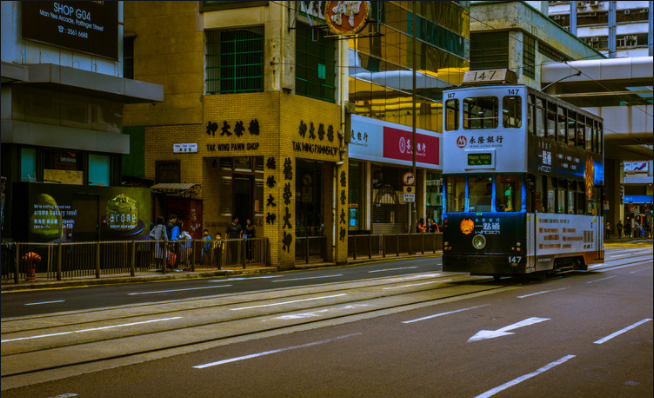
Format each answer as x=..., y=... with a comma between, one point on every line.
x=409, y=178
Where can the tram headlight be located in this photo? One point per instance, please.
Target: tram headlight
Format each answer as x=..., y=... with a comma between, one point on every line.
x=479, y=242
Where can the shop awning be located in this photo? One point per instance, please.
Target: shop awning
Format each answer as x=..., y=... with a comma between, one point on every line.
x=176, y=189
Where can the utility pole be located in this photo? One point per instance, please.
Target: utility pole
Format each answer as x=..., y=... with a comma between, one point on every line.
x=414, y=212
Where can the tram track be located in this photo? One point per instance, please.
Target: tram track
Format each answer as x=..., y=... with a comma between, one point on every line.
x=201, y=327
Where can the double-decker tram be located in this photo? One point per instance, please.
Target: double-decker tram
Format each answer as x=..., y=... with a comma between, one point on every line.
x=523, y=182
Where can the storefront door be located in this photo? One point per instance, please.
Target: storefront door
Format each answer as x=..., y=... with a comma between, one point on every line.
x=243, y=198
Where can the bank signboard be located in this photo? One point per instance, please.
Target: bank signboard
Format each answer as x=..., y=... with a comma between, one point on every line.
x=385, y=142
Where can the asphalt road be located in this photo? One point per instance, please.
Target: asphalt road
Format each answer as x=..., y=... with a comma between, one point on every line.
x=74, y=299
x=576, y=335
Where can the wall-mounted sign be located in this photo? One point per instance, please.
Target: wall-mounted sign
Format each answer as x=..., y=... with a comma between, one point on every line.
x=86, y=26
x=185, y=148
x=480, y=159
x=346, y=17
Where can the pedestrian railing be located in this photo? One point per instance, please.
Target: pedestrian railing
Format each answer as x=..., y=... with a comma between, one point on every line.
x=56, y=261
x=311, y=249
x=373, y=246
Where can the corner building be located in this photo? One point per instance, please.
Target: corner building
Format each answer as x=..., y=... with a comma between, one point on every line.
x=251, y=125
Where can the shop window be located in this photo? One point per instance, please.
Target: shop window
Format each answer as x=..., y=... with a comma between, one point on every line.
x=508, y=197
x=512, y=112
x=315, y=64
x=226, y=199
x=99, y=170
x=243, y=164
x=480, y=194
x=63, y=167
x=234, y=60
x=167, y=171
x=452, y=109
x=128, y=57
x=355, y=195
x=480, y=113
x=28, y=164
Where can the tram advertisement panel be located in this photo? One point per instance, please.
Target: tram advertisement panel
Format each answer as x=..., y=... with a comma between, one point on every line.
x=563, y=233
x=492, y=150
x=563, y=161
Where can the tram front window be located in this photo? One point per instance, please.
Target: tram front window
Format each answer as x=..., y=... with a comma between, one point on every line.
x=480, y=113
x=508, y=197
x=480, y=193
x=455, y=191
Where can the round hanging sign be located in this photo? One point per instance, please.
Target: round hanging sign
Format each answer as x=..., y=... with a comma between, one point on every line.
x=346, y=17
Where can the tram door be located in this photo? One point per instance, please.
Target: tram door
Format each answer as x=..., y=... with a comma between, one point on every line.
x=243, y=198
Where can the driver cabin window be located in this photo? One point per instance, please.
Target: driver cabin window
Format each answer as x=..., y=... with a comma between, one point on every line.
x=480, y=113
x=480, y=193
x=455, y=194
x=508, y=195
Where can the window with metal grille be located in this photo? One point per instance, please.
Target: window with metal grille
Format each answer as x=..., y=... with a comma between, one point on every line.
x=529, y=56
x=234, y=60
x=128, y=57
x=489, y=50
x=315, y=62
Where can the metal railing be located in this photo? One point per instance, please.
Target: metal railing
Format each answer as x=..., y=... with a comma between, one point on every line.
x=374, y=246
x=312, y=249
x=23, y=261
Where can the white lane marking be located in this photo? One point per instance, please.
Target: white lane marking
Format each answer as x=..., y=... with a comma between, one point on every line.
x=444, y=313
x=603, y=279
x=312, y=277
x=619, y=332
x=259, y=354
x=91, y=330
x=491, y=334
x=178, y=290
x=624, y=266
x=391, y=269
x=46, y=302
x=543, y=292
x=520, y=379
x=621, y=255
x=633, y=272
x=417, y=284
x=66, y=395
x=287, y=302
x=319, y=313
x=246, y=279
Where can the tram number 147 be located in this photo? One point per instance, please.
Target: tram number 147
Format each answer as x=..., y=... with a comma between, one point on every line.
x=515, y=259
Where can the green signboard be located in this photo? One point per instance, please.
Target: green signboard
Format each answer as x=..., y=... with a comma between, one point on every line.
x=480, y=159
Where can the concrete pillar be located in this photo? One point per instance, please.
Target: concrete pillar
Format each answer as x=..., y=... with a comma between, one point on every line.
x=421, y=193
x=612, y=29
x=329, y=211
x=612, y=181
x=573, y=17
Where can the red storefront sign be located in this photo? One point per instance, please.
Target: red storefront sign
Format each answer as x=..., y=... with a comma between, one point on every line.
x=398, y=145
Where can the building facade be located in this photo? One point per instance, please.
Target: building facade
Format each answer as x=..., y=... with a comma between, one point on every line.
x=63, y=91
x=618, y=29
x=382, y=60
x=251, y=126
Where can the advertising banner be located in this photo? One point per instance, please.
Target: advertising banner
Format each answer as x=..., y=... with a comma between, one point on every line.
x=380, y=141
x=560, y=233
x=70, y=213
x=86, y=26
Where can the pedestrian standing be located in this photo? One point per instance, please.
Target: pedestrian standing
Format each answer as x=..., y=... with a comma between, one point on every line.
x=159, y=233
x=218, y=251
x=234, y=232
x=627, y=229
x=608, y=230
x=619, y=228
x=248, y=235
x=421, y=226
x=636, y=230
x=185, y=249
x=206, y=248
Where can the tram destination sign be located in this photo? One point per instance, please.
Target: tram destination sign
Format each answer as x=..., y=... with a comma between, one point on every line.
x=480, y=159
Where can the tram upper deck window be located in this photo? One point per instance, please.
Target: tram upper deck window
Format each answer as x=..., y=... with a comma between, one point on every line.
x=572, y=128
x=508, y=194
x=455, y=194
x=512, y=112
x=480, y=193
x=561, y=125
x=589, y=135
x=551, y=121
x=480, y=113
x=452, y=114
x=540, y=118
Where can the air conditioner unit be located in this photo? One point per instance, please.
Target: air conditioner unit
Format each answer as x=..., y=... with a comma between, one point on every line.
x=581, y=4
x=556, y=17
x=627, y=12
x=594, y=39
x=593, y=3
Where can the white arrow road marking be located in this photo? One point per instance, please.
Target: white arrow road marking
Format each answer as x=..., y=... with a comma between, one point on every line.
x=520, y=379
x=491, y=334
x=206, y=365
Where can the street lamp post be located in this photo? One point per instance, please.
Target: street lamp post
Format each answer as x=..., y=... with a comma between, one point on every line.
x=414, y=212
